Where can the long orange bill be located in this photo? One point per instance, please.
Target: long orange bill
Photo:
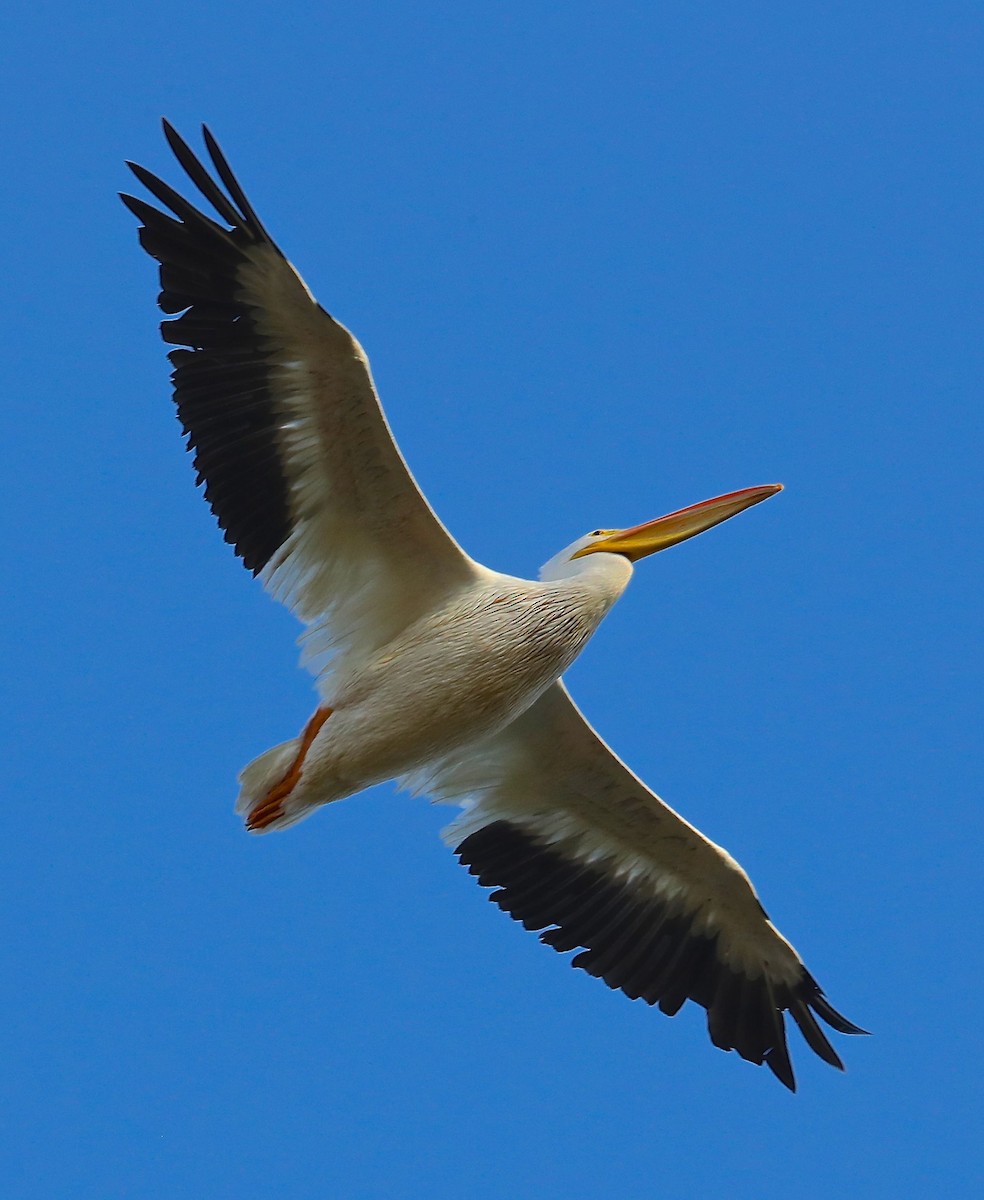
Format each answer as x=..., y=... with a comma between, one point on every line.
x=640, y=540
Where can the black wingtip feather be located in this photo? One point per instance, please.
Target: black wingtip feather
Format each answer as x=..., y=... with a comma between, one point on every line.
x=777, y=1060
x=777, y=1057
x=137, y=206
x=823, y=1008
x=812, y=1033
x=232, y=184
x=199, y=176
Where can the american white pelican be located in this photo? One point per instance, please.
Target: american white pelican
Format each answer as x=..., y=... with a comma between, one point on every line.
x=433, y=670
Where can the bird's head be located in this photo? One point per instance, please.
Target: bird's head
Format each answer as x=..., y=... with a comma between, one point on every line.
x=640, y=540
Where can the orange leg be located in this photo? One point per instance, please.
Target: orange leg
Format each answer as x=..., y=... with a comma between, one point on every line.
x=270, y=807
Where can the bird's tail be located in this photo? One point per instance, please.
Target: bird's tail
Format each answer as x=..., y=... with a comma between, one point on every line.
x=259, y=781
x=269, y=795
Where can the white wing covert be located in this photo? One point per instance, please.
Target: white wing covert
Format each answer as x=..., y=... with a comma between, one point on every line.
x=277, y=400
x=571, y=839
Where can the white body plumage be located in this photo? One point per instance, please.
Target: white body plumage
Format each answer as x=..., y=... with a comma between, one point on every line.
x=451, y=678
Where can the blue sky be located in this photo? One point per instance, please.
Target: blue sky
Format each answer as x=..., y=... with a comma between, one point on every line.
x=607, y=260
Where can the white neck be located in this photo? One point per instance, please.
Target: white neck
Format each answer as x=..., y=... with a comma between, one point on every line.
x=606, y=575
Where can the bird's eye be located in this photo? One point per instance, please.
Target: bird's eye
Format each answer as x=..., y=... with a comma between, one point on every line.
x=596, y=533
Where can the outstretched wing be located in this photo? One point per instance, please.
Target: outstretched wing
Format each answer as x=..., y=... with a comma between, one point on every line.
x=575, y=842
x=277, y=400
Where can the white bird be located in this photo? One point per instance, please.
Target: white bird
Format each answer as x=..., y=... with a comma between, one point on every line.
x=433, y=670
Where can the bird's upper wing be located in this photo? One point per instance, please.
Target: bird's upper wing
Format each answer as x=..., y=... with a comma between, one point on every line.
x=278, y=403
x=573, y=840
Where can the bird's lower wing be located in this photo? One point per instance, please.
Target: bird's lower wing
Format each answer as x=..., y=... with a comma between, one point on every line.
x=573, y=841
x=277, y=400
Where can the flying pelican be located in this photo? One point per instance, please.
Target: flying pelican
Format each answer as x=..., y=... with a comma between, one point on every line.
x=433, y=670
